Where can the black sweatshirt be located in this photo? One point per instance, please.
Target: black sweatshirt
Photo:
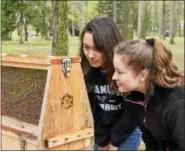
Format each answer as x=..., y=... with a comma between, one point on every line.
x=113, y=123
x=160, y=115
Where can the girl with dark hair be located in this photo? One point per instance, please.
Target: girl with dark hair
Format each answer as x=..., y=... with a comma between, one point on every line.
x=98, y=39
x=145, y=71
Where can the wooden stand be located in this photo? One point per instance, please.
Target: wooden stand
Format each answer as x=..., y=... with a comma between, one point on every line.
x=65, y=121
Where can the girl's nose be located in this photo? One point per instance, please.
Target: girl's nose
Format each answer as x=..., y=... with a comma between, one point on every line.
x=91, y=54
x=114, y=77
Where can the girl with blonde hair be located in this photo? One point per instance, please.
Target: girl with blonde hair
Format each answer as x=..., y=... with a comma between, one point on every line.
x=155, y=91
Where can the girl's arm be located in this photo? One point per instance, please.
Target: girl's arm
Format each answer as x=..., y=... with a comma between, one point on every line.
x=176, y=122
x=124, y=126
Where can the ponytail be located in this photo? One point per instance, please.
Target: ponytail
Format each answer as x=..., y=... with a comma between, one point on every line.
x=166, y=72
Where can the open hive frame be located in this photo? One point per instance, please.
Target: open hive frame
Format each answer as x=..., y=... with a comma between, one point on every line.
x=65, y=121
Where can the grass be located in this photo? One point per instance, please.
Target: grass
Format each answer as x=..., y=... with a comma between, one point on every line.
x=39, y=46
x=177, y=51
x=36, y=46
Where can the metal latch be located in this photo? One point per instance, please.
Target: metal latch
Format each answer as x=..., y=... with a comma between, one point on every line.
x=23, y=144
x=66, y=66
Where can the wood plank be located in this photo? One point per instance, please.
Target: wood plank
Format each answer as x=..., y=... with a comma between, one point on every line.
x=28, y=60
x=78, y=90
x=9, y=142
x=88, y=141
x=16, y=136
x=38, y=60
x=63, y=139
x=19, y=132
x=19, y=125
x=34, y=62
x=59, y=120
x=24, y=65
x=44, y=108
x=54, y=117
x=87, y=148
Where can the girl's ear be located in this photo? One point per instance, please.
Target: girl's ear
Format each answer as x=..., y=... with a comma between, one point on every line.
x=143, y=75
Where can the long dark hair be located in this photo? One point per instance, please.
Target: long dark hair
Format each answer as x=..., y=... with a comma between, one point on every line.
x=106, y=36
x=153, y=55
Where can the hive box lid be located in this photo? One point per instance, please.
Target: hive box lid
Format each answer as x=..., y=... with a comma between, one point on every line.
x=38, y=62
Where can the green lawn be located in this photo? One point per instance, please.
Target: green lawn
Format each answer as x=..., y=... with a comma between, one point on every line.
x=38, y=46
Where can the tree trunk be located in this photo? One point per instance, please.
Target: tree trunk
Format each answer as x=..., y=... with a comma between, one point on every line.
x=131, y=18
x=155, y=18
x=25, y=23
x=140, y=15
x=21, y=24
x=126, y=29
x=82, y=16
x=6, y=36
x=172, y=22
x=45, y=21
x=73, y=28
x=26, y=29
x=10, y=35
x=46, y=29
x=162, y=23
x=114, y=11
x=60, y=28
x=179, y=29
x=37, y=32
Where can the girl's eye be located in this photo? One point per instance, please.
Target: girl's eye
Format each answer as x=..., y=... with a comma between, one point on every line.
x=95, y=49
x=119, y=72
x=86, y=48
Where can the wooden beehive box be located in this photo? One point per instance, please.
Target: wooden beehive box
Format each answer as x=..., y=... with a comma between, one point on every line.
x=44, y=104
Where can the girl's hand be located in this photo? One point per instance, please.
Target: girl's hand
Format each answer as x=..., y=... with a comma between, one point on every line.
x=111, y=147
x=103, y=148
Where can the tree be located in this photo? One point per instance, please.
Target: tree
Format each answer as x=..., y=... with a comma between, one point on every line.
x=91, y=10
x=114, y=11
x=144, y=19
x=179, y=16
x=25, y=19
x=104, y=8
x=60, y=28
x=73, y=16
x=125, y=24
x=35, y=16
x=162, y=23
x=28, y=14
x=21, y=23
x=10, y=13
x=155, y=16
x=80, y=12
x=140, y=16
x=146, y=22
x=82, y=16
x=45, y=16
x=172, y=22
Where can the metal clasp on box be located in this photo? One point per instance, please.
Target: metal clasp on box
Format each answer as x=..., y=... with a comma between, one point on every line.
x=23, y=143
x=66, y=66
